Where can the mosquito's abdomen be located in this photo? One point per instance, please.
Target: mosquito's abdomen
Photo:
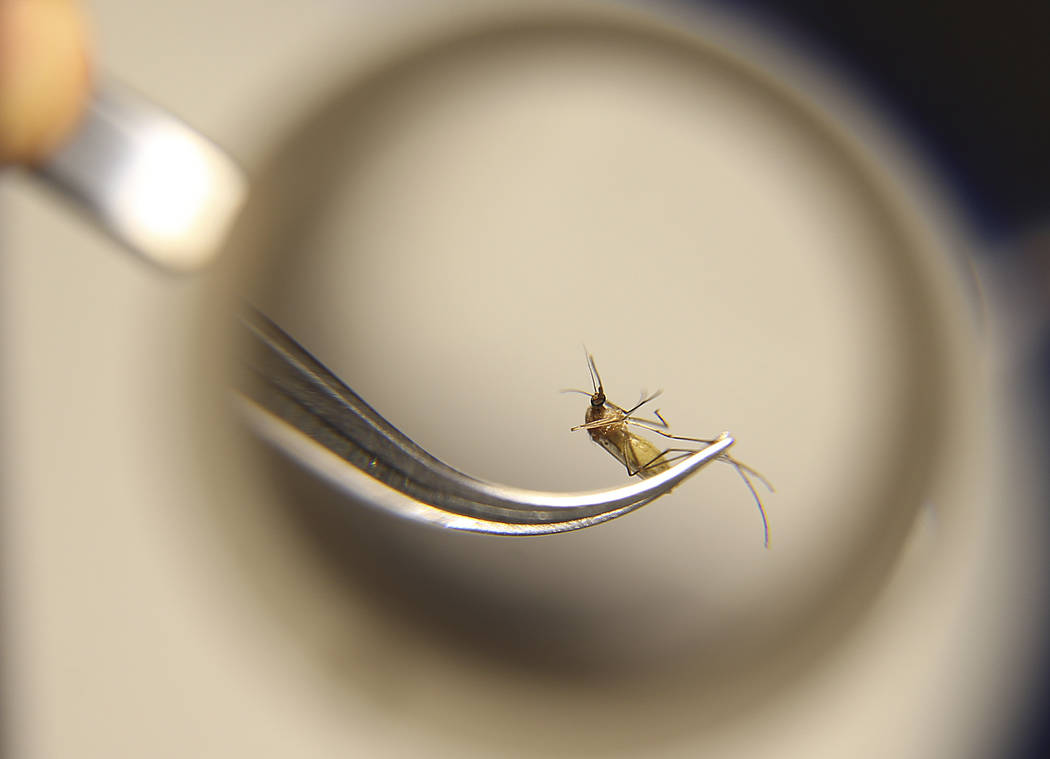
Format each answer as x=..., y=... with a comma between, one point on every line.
x=647, y=461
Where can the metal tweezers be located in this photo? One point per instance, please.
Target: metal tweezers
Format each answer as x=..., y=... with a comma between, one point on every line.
x=294, y=403
x=290, y=398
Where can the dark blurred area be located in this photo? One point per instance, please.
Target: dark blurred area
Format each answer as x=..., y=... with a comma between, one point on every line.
x=969, y=80
x=969, y=83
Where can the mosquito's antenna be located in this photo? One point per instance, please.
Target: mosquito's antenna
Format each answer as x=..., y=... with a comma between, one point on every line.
x=596, y=379
x=575, y=390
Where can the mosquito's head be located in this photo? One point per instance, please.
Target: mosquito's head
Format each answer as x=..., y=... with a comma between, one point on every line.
x=598, y=398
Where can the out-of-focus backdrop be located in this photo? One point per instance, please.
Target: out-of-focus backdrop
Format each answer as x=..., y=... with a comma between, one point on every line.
x=866, y=187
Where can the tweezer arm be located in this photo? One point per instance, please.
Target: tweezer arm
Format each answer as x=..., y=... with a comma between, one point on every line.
x=296, y=404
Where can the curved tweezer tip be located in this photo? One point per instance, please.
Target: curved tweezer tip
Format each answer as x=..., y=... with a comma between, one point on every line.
x=294, y=403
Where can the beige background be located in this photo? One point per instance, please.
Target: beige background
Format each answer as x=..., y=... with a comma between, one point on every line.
x=139, y=623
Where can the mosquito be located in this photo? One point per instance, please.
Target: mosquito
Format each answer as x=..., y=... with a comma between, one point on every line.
x=610, y=425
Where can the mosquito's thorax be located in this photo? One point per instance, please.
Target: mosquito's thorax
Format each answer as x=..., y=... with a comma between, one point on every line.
x=614, y=426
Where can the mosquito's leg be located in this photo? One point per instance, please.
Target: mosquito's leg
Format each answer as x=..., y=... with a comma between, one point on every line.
x=597, y=424
x=663, y=458
x=754, y=494
x=641, y=423
x=641, y=403
x=742, y=467
x=743, y=470
x=628, y=457
x=641, y=420
x=725, y=456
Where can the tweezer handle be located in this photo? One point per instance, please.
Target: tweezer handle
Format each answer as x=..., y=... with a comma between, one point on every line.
x=152, y=182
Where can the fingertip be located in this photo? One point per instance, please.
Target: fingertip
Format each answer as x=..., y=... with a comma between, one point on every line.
x=45, y=76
